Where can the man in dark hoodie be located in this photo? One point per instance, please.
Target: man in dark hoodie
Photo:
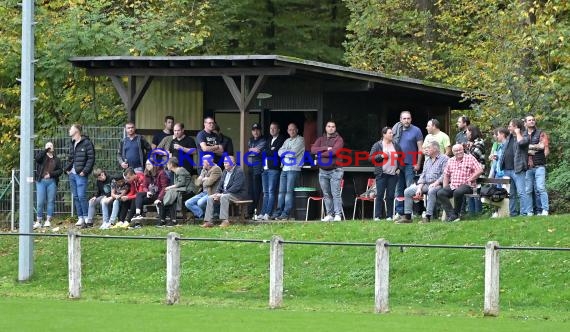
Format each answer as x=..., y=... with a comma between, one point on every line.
x=330, y=175
x=79, y=165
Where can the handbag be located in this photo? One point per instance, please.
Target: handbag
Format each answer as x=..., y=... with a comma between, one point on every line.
x=170, y=197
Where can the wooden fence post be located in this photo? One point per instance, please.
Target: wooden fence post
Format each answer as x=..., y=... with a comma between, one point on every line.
x=74, y=264
x=276, y=272
x=381, y=284
x=172, y=268
x=491, y=302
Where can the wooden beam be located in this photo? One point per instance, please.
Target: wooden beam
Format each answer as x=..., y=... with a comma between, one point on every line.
x=231, y=84
x=121, y=89
x=141, y=92
x=256, y=86
x=132, y=90
x=198, y=72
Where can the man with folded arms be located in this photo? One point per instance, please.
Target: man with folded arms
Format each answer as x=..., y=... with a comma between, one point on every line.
x=429, y=183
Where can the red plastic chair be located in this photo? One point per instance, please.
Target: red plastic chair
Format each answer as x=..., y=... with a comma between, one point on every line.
x=369, y=184
x=321, y=199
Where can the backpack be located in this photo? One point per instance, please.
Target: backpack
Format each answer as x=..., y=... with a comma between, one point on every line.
x=494, y=193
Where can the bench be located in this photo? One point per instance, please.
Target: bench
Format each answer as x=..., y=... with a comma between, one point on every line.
x=241, y=205
x=502, y=206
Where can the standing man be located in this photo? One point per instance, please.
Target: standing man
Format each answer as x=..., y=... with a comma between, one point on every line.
x=271, y=170
x=291, y=154
x=133, y=150
x=256, y=145
x=429, y=183
x=79, y=165
x=158, y=137
x=184, y=148
x=231, y=186
x=459, y=178
x=208, y=141
x=538, y=150
x=435, y=134
x=410, y=139
x=462, y=123
x=330, y=175
x=514, y=163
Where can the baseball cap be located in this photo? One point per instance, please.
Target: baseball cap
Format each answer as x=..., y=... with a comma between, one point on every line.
x=256, y=126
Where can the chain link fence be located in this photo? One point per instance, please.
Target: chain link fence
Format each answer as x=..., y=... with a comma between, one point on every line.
x=106, y=141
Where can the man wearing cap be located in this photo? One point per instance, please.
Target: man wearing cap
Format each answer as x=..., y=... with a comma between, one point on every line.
x=256, y=145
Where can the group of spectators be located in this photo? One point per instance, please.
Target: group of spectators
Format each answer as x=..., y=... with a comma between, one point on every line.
x=194, y=180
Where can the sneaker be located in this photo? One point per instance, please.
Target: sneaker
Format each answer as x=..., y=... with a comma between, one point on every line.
x=225, y=223
x=138, y=217
x=544, y=213
x=160, y=223
x=425, y=219
x=389, y=219
x=137, y=225
x=79, y=222
x=530, y=214
x=170, y=223
x=337, y=218
x=125, y=224
x=397, y=216
x=37, y=225
x=47, y=224
x=207, y=224
x=495, y=215
x=105, y=225
x=265, y=217
x=327, y=218
x=377, y=219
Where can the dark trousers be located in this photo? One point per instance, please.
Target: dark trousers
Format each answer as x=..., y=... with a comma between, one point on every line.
x=385, y=187
x=254, y=182
x=125, y=211
x=444, y=195
x=141, y=200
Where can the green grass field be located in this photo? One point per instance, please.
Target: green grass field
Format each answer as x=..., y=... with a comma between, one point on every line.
x=227, y=283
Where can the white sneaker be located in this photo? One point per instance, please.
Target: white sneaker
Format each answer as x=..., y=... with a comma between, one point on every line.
x=125, y=224
x=397, y=216
x=495, y=215
x=118, y=225
x=389, y=219
x=37, y=225
x=327, y=218
x=105, y=225
x=79, y=222
x=530, y=214
x=337, y=218
x=265, y=217
x=544, y=213
x=377, y=219
x=47, y=224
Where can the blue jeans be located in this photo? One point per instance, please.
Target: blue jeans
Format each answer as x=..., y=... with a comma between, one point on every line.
x=197, y=204
x=536, y=182
x=287, y=182
x=45, y=191
x=269, y=181
x=474, y=205
x=93, y=207
x=330, y=185
x=405, y=179
x=518, y=189
x=78, y=186
x=385, y=186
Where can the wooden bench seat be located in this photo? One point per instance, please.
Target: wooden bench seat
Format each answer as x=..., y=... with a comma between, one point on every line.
x=242, y=206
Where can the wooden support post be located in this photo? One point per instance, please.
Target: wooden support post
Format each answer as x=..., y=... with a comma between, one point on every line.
x=172, y=268
x=491, y=302
x=381, y=284
x=74, y=264
x=276, y=272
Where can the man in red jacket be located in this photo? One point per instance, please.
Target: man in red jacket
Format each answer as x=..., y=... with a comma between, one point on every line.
x=330, y=174
x=137, y=183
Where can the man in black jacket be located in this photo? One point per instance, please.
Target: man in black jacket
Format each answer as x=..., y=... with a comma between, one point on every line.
x=79, y=165
x=271, y=170
x=231, y=186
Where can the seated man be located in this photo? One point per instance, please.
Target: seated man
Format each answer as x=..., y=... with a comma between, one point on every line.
x=231, y=186
x=103, y=190
x=429, y=182
x=208, y=182
x=127, y=202
x=459, y=178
